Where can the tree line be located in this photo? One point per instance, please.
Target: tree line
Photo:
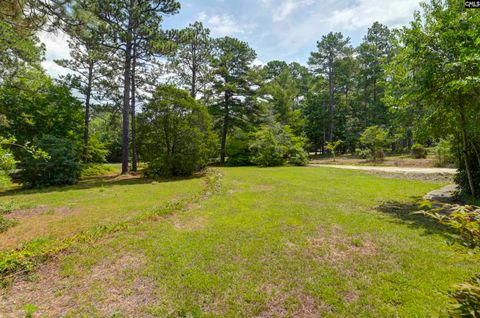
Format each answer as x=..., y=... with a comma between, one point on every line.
x=398, y=90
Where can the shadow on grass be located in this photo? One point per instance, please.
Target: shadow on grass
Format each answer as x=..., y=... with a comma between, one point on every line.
x=404, y=213
x=95, y=182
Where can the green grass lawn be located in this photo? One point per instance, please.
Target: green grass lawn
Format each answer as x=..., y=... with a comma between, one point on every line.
x=277, y=242
x=58, y=212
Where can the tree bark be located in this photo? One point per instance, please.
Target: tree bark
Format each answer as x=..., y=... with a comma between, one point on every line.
x=330, y=104
x=193, y=91
x=224, y=128
x=133, y=123
x=465, y=152
x=126, y=95
x=88, y=94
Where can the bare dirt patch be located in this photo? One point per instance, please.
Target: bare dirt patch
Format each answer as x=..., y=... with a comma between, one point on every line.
x=339, y=247
x=295, y=303
x=192, y=224
x=38, y=211
x=112, y=286
x=263, y=188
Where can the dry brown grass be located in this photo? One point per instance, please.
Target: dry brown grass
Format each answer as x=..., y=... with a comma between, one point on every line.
x=111, y=286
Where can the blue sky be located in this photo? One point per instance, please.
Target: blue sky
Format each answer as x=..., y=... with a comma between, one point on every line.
x=276, y=29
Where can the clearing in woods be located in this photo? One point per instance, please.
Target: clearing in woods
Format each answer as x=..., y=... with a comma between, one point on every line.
x=276, y=242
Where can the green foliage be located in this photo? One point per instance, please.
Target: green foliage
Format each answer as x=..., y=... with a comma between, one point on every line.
x=5, y=223
x=61, y=168
x=363, y=153
x=419, y=151
x=374, y=138
x=94, y=170
x=175, y=133
x=435, y=83
x=238, y=148
x=29, y=310
x=35, y=105
x=467, y=299
x=97, y=151
x=191, y=62
x=231, y=90
x=332, y=146
x=275, y=145
x=465, y=220
x=443, y=153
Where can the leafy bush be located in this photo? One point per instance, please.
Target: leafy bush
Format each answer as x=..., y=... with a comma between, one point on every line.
x=275, y=145
x=443, y=154
x=175, y=134
x=97, y=151
x=465, y=220
x=238, y=148
x=374, y=138
x=332, y=146
x=467, y=299
x=61, y=168
x=418, y=151
x=363, y=153
x=5, y=224
x=93, y=170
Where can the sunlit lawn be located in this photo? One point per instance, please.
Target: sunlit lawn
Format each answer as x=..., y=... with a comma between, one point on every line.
x=62, y=211
x=277, y=242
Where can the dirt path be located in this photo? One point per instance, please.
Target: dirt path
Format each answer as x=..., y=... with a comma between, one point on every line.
x=392, y=169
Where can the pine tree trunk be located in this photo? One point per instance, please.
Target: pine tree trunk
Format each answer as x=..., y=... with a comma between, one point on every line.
x=330, y=105
x=224, y=129
x=126, y=98
x=133, y=123
x=86, y=133
x=465, y=152
x=193, y=91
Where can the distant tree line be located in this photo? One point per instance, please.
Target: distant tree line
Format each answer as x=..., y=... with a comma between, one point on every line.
x=124, y=101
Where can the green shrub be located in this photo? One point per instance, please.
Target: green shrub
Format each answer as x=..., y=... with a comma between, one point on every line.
x=97, y=151
x=465, y=220
x=374, y=138
x=275, y=145
x=238, y=148
x=443, y=154
x=419, y=151
x=61, y=168
x=363, y=153
x=5, y=224
x=175, y=133
x=467, y=299
x=95, y=169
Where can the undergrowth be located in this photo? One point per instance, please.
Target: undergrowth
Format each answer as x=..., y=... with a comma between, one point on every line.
x=466, y=221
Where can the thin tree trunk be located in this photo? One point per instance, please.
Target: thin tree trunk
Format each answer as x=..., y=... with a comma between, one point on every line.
x=126, y=96
x=465, y=152
x=477, y=153
x=224, y=129
x=193, y=91
x=86, y=133
x=330, y=104
x=134, y=123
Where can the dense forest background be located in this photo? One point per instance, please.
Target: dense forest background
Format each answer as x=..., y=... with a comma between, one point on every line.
x=178, y=100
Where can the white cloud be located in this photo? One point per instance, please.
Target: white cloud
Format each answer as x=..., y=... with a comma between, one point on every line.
x=224, y=24
x=54, y=70
x=287, y=7
x=258, y=62
x=392, y=13
x=302, y=29
x=57, y=48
